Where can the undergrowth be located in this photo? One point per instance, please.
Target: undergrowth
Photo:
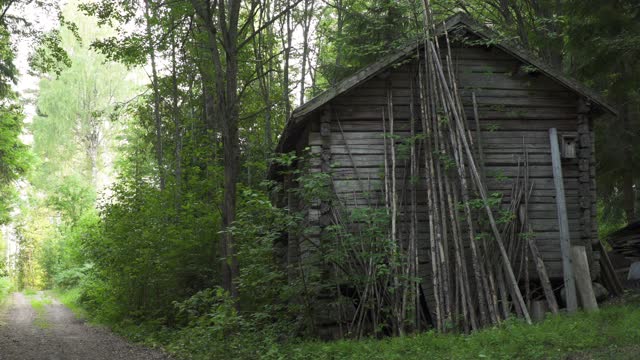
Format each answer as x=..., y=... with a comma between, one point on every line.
x=29, y=292
x=224, y=334
x=71, y=299
x=6, y=287
x=38, y=304
x=604, y=332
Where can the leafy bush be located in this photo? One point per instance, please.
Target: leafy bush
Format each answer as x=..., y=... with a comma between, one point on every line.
x=6, y=286
x=4, y=272
x=72, y=277
x=216, y=330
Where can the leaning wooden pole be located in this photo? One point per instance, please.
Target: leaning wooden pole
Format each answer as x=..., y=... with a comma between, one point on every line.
x=413, y=248
x=425, y=109
x=398, y=308
x=460, y=122
x=563, y=223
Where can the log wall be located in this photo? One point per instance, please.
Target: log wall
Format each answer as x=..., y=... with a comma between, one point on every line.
x=517, y=106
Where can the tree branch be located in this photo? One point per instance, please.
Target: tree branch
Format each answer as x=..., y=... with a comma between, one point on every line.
x=267, y=24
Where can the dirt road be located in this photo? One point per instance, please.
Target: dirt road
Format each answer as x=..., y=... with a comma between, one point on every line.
x=39, y=328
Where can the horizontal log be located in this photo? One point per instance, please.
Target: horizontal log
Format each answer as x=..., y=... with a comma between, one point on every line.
x=376, y=198
x=479, y=53
x=514, y=102
x=377, y=98
x=495, y=162
x=497, y=138
x=510, y=171
x=351, y=186
x=506, y=81
x=378, y=148
x=561, y=97
x=540, y=184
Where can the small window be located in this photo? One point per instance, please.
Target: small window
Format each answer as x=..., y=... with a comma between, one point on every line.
x=569, y=146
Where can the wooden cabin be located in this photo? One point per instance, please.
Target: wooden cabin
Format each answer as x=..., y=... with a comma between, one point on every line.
x=519, y=99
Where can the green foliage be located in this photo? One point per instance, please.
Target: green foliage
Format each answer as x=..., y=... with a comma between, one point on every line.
x=39, y=303
x=356, y=33
x=71, y=299
x=217, y=331
x=14, y=155
x=603, y=38
x=72, y=198
x=492, y=127
x=610, y=219
x=8, y=70
x=73, y=130
x=6, y=287
x=258, y=226
x=33, y=227
x=73, y=277
x=558, y=337
x=494, y=200
x=50, y=56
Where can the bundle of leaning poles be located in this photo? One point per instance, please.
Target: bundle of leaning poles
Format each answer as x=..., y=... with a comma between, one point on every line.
x=477, y=261
x=479, y=247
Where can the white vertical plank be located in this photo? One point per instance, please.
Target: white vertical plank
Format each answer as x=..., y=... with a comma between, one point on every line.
x=563, y=223
x=583, y=278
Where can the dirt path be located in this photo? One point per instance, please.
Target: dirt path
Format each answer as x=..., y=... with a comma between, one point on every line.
x=48, y=330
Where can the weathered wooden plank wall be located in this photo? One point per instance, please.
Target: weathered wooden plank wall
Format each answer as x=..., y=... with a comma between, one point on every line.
x=516, y=107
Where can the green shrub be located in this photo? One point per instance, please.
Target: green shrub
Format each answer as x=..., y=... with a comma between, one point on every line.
x=6, y=287
x=72, y=277
x=215, y=330
x=610, y=328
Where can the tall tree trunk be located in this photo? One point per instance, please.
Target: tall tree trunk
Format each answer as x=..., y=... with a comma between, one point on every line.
x=228, y=101
x=306, y=27
x=223, y=33
x=287, y=55
x=339, y=50
x=92, y=152
x=177, y=124
x=156, y=95
x=264, y=77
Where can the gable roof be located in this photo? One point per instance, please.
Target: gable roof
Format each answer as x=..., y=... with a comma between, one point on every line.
x=457, y=21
